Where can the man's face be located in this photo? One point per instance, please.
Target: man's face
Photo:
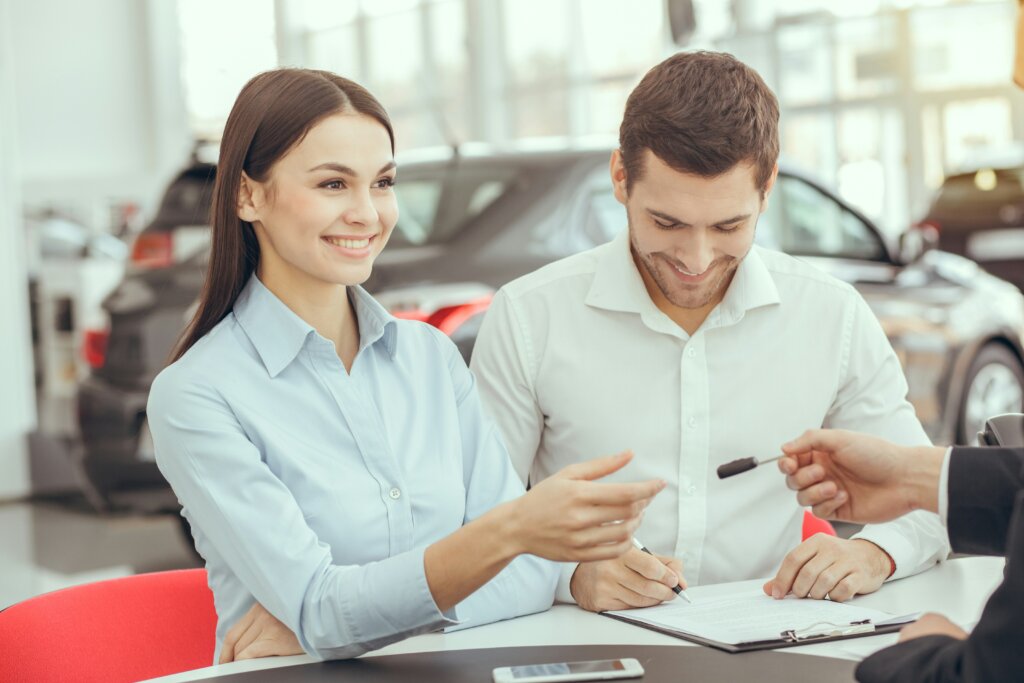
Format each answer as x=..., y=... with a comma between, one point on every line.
x=1018, y=62
x=689, y=233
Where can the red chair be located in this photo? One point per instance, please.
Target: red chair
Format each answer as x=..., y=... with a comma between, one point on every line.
x=815, y=525
x=125, y=629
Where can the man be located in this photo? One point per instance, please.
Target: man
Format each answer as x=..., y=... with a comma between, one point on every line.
x=685, y=343
x=979, y=494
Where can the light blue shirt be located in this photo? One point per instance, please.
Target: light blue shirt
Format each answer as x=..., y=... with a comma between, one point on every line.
x=315, y=491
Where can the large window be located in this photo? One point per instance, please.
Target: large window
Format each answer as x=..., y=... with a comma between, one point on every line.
x=223, y=45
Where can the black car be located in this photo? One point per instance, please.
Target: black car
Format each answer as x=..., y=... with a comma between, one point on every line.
x=980, y=214
x=472, y=222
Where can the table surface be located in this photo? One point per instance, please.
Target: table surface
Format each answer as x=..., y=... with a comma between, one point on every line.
x=957, y=588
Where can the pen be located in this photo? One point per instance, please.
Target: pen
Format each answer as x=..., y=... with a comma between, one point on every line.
x=679, y=591
x=740, y=466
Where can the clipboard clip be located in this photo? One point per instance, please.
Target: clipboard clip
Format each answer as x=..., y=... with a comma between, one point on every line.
x=827, y=629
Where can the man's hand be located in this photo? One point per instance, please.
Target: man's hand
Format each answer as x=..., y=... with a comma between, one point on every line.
x=932, y=624
x=829, y=566
x=258, y=634
x=635, y=579
x=859, y=478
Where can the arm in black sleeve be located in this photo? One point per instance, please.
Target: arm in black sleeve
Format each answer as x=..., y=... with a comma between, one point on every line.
x=994, y=652
x=983, y=483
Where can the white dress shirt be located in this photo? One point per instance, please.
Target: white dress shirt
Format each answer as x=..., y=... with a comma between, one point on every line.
x=575, y=361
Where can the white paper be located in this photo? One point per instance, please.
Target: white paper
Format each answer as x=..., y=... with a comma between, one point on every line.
x=750, y=616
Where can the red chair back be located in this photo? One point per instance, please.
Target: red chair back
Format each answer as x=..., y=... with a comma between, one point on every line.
x=125, y=629
x=815, y=525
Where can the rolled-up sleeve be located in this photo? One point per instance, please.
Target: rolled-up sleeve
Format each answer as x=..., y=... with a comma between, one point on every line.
x=872, y=399
x=527, y=584
x=258, y=529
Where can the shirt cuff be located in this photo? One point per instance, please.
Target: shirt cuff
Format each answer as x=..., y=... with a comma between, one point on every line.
x=392, y=602
x=562, y=592
x=944, y=488
x=893, y=544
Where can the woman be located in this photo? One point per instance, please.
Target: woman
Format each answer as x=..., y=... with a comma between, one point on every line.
x=340, y=479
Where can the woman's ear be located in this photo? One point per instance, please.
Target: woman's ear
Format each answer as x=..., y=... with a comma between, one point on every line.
x=248, y=192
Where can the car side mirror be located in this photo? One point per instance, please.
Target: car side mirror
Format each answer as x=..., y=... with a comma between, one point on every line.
x=1003, y=430
x=915, y=241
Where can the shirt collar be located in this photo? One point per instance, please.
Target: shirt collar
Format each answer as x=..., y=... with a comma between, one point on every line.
x=279, y=334
x=618, y=286
x=752, y=287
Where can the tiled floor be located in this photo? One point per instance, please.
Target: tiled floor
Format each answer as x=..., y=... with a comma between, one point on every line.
x=49, y=545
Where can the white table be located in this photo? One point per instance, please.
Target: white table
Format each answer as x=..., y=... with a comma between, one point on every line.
x=957, y=588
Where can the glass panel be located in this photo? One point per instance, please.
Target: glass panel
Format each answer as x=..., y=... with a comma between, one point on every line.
x=931, y=145
x=805, y=64
x=541, y=113
x=536, y=49
x=867, y=59
x=448, y=30
x=621, y=38
x=321, y=15
x=962, y=46
x=974, y=128
x=809, y=141
x=223, y=45
x=860, y=177
x=381, y=7
x=607, y=102
x=334, y=50
x=396, y=76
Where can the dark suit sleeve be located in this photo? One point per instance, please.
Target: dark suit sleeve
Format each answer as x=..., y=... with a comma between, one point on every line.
x=983, y=483
x=995, y=649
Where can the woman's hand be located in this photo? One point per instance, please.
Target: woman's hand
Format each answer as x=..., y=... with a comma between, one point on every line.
x=568, y=517
x=258, y=634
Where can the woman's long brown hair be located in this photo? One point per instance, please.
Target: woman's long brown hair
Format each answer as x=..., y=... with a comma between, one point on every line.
x=272, y=114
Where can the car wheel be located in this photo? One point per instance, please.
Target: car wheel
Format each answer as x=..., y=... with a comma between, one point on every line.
x=995, y=385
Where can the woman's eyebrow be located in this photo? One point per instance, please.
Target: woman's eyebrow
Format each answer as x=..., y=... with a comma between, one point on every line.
x=346, y=170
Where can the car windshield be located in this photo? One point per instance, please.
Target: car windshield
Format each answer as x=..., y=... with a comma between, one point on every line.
x=436, y=202
x=804, y=221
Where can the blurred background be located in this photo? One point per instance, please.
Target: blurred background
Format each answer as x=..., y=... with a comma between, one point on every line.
x=902, y=172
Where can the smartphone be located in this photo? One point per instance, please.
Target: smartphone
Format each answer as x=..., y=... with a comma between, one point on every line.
x=593, y=670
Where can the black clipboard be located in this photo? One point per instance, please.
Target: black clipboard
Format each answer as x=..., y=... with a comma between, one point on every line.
x=791, y=638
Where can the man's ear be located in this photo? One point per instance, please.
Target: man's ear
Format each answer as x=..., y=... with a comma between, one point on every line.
x=618, y=170
x=248, y=195
x=768, y=187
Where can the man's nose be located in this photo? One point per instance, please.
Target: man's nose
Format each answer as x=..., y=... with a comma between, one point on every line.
x=697, y=254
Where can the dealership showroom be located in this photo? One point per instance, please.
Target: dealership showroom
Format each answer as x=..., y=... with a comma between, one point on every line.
x=512, y=340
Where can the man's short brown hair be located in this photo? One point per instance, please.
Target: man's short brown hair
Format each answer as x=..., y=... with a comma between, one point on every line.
x=701, y=113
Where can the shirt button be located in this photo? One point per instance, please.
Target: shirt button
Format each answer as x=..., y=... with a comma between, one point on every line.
x=691, y=352
x=692, y=422
x=691, y=489
x=395, y=493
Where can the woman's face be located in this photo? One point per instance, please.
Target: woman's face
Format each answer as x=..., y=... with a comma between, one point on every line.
x=328, y=207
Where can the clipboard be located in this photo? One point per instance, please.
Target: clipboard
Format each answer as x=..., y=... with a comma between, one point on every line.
x=821, y=632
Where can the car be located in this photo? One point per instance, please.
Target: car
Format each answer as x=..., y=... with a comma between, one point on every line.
x=979, y=213
x=474, y=220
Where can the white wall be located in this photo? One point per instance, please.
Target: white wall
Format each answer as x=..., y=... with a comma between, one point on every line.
x=100, y=104
x=17, y=404
x=92, y=112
